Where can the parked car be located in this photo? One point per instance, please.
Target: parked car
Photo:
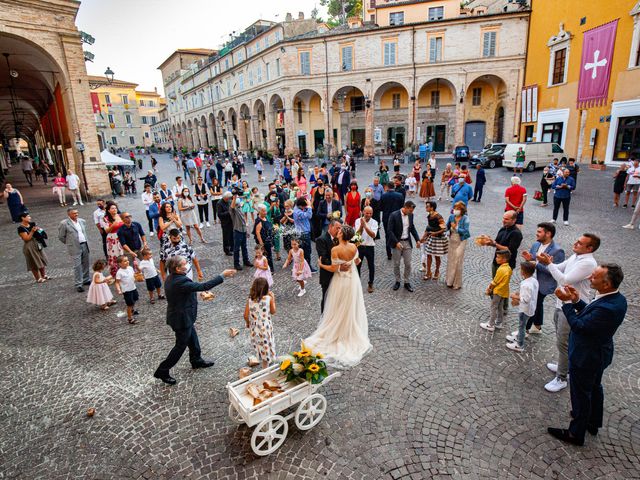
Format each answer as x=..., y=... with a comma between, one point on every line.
x=537, y=154
x=491, y=158
x=461, y=154
x=490, y=146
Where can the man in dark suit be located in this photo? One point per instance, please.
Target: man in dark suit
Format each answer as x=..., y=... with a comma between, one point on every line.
x=390, y=201
x=327, y=206
x=590, y=348
x=324, y=244
x=224, y=214
x=481, y=179
x=182, y=312
x=343, y=180
x=399, y=233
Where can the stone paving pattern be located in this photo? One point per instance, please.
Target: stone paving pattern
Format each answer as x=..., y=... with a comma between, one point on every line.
x=437, y=397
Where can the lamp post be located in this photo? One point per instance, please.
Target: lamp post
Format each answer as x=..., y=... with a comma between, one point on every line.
x=108, y=75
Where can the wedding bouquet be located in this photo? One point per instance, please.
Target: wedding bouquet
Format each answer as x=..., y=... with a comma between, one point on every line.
x=335, y=214
x=305, y=365
x=357, y=239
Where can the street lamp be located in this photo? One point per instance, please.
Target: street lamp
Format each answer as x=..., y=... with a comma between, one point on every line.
x=108, y=75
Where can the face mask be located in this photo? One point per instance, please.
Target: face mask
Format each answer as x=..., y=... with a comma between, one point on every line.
x=457, y=213
x=368, y=194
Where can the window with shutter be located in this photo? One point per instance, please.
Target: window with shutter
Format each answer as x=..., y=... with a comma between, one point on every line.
x=435, y=98
x=436, y=13
x=305, y=63
x=347, y=58
x=241, y=81
x=395, y=100
x=435, y=49
x=477, y=97
x=396, y=18
x=389, y=53
x=489, y=44
x=559, y=59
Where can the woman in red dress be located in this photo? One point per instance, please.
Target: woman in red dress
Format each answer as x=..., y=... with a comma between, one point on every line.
x=352, y=202
x=111, y=223
x=416, y=171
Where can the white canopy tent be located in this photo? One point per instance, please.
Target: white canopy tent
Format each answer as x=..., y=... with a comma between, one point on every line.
x=111, y=160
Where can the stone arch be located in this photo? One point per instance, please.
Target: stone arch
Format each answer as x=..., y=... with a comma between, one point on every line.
x=348, y=112
x=436, y=107
x=391, y=105
x=486, y=95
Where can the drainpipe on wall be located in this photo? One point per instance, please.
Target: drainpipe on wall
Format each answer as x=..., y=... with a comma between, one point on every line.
x=524, y=78
x=329, y=104
x=413, y=94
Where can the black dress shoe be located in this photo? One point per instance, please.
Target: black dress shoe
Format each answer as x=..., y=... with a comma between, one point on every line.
x=408, y=287
x=87, y=283
x=202, y=364
x=79, y=289
x=389, y=258
x=565, y=436
x=592, y=430
x=248, y=264
x=238, y=268
x=165, y=377
x=396, y=285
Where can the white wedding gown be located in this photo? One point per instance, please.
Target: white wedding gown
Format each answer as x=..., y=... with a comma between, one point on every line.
x=343, y=333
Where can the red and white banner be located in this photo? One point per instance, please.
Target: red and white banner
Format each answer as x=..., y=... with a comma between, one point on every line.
x=95, y=102
x=529, y=104
x=595, y=67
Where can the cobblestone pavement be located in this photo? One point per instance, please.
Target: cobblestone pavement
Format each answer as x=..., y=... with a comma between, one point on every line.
x=436, y=398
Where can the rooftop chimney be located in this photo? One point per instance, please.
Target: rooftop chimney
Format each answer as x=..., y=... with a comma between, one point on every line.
x=300, y=15
x=288, y=18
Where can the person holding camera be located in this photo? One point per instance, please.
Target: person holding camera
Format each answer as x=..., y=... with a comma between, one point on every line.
x=33, y=248
x=239, y=230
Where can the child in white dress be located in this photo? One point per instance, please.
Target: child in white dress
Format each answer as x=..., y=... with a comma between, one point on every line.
x=99, y=291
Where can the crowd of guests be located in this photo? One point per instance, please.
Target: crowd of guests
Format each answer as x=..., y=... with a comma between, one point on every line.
x=296, y=212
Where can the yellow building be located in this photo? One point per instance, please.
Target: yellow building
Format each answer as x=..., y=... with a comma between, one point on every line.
x=605, y=129
x=148, y=107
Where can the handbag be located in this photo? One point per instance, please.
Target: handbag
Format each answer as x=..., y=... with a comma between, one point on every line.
x=537, y=195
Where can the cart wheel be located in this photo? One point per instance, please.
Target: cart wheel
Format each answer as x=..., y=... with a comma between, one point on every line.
x=269, y=435
x=234, y=415
x=310, y=411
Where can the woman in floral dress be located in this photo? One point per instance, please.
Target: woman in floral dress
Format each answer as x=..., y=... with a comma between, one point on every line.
x=261, y=305
x=111, y=223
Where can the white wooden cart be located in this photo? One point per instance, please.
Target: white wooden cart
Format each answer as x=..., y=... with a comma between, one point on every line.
x=271, y=428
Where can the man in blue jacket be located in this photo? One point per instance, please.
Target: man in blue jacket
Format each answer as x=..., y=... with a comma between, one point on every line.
x=481, y=179
x=593, y=326
x=562, y=187
x=182, y=312
x=546, y=283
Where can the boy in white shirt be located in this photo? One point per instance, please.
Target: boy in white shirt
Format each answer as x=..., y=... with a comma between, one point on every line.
x=126, y=286
x=526, y=299
x=151, y=277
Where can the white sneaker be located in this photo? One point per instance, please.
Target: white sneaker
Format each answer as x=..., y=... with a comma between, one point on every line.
x=566, y=223
x=422, y=269
x=208, y=224
x=81, y=203
x=553, y=221
x=487, y=327
x=302, y=292
x=513, y=338
x=152, y=232
x=200, y=225
x=552, y=366
x=75, y=203
x=515, y=347
x=514, y=334
x=629, y=226
x=555, y=385
x=535, y=331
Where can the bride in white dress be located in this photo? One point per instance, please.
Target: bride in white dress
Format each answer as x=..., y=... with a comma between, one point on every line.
x=343, y=333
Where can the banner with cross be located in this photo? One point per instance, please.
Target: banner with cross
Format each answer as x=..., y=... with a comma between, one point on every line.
x=595, y=67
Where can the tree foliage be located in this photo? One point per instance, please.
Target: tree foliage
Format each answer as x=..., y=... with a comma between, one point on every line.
x=340, y=10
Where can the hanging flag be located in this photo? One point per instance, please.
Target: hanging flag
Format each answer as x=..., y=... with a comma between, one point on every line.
x=95, y=101
x=595, y=67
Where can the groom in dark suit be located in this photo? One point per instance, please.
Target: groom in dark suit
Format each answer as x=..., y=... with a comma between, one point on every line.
x=590, y=348
x=324, y=244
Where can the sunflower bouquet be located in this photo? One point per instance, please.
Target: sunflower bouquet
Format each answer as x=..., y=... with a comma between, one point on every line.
x=305, y=365
x=357, y=239
x=335, y=214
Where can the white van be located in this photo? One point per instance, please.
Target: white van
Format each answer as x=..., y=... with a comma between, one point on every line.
x=536, y=155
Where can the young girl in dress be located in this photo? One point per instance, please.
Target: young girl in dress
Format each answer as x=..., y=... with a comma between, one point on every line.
x=99, y=291
x=261, y=304
x=256, y=199
x=247, y=205
x=262, y=266
x=411, y=183
x=300, y=271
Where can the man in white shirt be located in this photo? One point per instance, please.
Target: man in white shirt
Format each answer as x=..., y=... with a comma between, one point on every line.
x=575, y=271
x=73, y=234
x=367, y=228
x=27, y=169
x=73, y=184
x=147, y=199
x=177, y=188
x=632, y=183
x=98, y=215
